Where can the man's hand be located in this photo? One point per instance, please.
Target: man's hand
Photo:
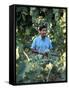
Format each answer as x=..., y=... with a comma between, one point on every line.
x=46, y=54
x=34, y=51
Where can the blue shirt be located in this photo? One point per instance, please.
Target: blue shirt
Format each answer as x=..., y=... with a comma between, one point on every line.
x=41, y=45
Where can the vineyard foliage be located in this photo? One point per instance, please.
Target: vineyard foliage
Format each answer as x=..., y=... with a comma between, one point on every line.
x=30, y=67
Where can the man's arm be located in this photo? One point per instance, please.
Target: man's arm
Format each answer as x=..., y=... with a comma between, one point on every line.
x=50, y=45
x=33, y=47
x=35, y=51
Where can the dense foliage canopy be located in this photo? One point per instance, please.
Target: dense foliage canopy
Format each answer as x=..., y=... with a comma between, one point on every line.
x=32, y=68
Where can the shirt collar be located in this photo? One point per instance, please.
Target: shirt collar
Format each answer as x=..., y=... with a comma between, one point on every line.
x=41, y=37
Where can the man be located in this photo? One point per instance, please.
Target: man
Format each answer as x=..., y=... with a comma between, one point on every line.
x=41, y=44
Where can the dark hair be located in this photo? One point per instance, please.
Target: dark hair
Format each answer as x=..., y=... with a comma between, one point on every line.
x=41, y=27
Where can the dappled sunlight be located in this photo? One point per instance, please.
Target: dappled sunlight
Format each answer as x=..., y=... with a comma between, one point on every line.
x=32, y=67
x=17, y=53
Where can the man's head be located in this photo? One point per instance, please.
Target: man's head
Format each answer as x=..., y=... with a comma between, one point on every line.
x=42, y=31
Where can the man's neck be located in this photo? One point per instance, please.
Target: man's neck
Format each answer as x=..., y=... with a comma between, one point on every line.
x=43, y=37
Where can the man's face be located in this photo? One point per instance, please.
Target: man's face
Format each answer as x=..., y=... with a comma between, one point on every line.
x=43, y=32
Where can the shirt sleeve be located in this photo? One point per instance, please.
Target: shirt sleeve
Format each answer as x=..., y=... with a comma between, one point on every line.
x=50, y=45
x=33, y=46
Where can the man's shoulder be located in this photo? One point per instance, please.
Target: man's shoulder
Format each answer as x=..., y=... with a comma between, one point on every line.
x=47, y=38
x=37, y=38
